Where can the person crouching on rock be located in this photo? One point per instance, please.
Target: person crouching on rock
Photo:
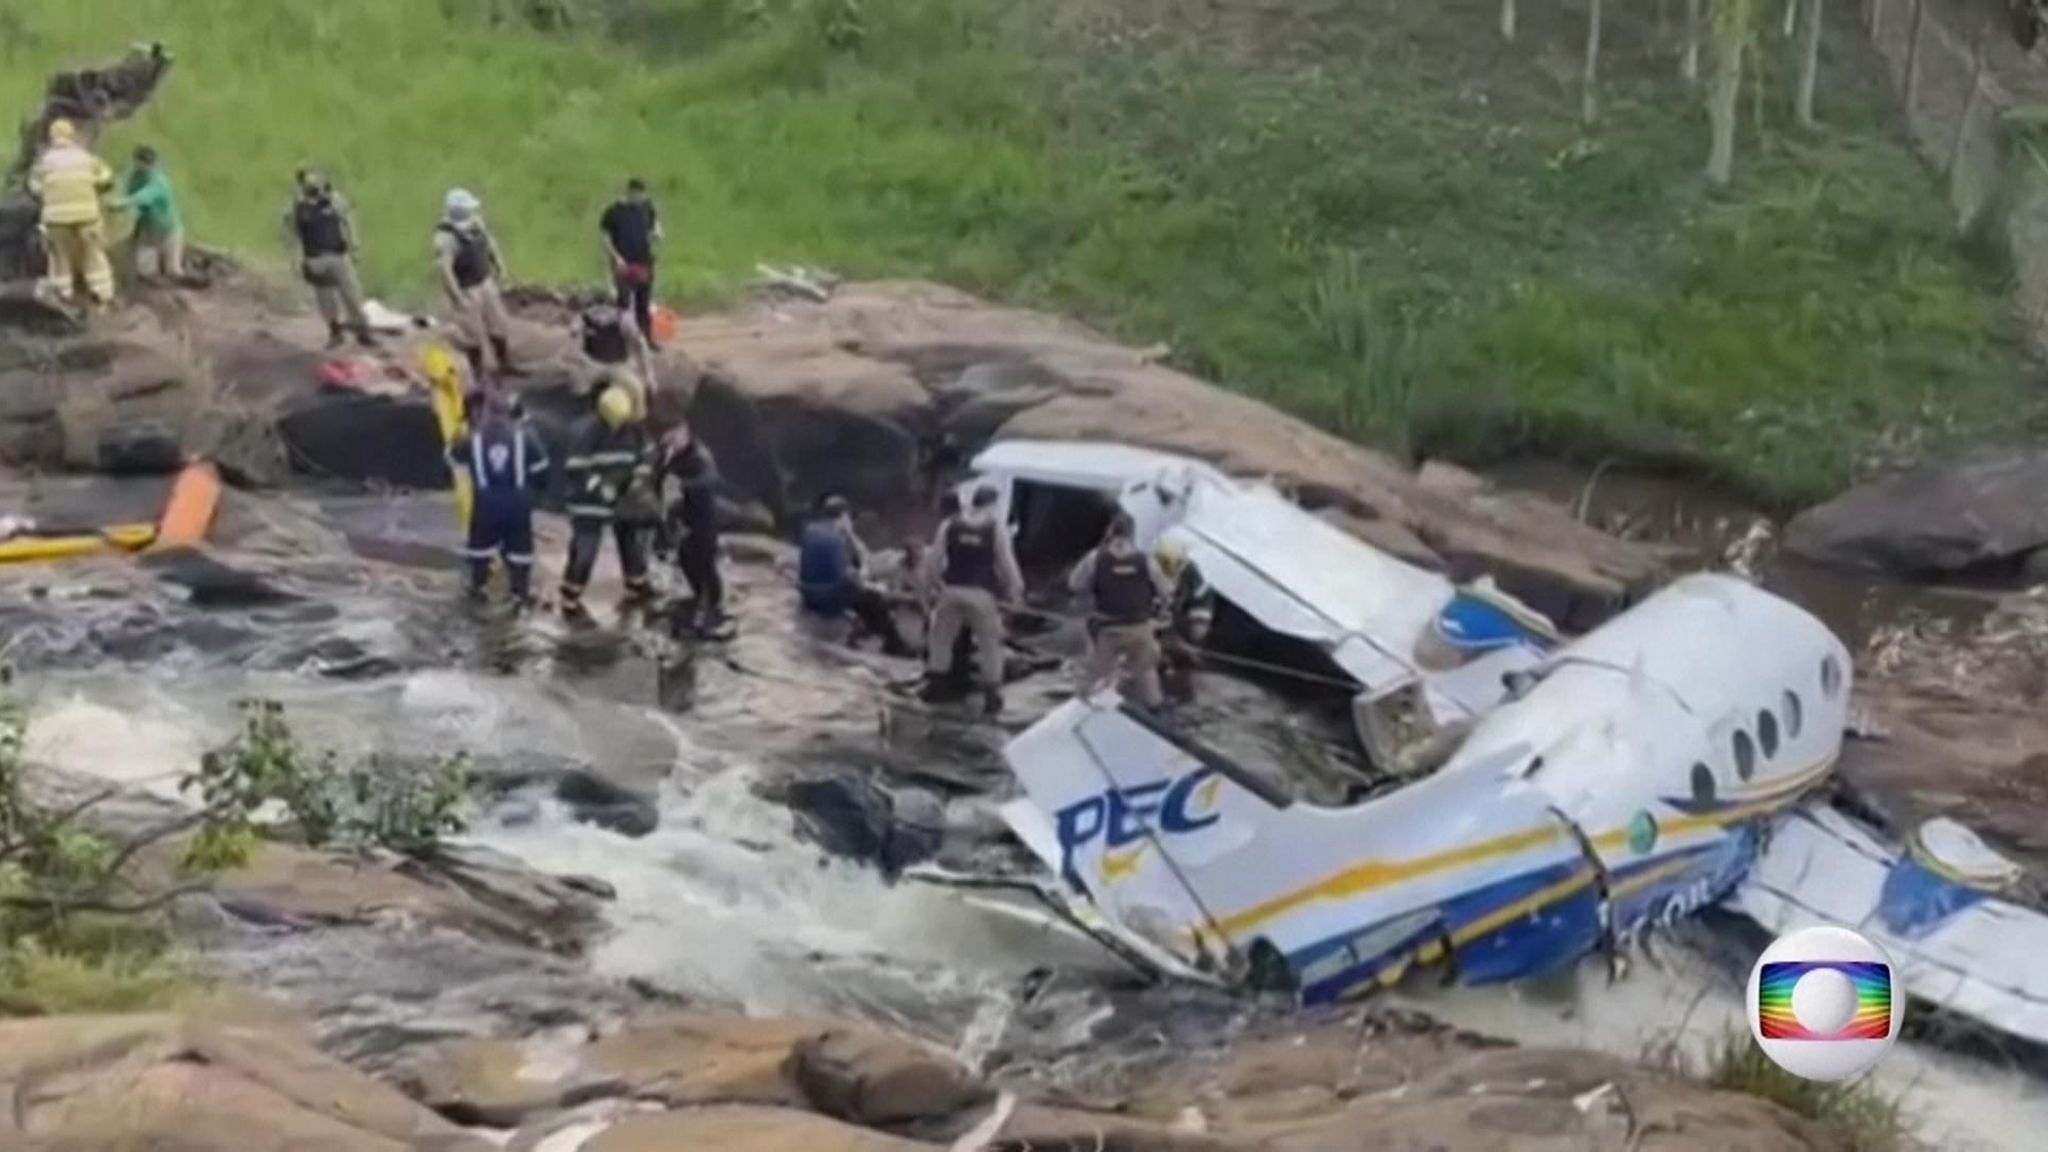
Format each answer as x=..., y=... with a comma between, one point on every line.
x=972, y=564
x=830, y=569
x=507, y=464
x=68, y=180
x=610, y=477
x=471, y=270
x=325, y=235
x=617, y=353
x=691, y=517
x=1127, y=588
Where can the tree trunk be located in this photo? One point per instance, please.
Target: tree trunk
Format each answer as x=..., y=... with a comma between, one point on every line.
x=1731, y=32
x=1589, y=97
x=1911, y=93
x=1507, y=19
x=1955, y=147
x=1689, y=64
x=1791, y=18
x=1809, y=63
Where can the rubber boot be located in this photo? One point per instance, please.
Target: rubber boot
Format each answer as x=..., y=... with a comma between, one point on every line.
x=366, y=338
x=991, y=701
x=336, y=336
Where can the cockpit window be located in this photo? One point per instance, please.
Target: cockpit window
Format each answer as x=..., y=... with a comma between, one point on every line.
x=1767, y=733
x=1795, y=714
x=1830, y=677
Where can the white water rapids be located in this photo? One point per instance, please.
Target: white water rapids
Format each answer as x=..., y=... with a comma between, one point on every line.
x=722, y=901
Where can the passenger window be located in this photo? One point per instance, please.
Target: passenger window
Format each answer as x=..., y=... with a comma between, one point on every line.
x=1794, y=715
x=1767, y=733
x=1830, y=678
x=1703, y=783
x=1745, y=755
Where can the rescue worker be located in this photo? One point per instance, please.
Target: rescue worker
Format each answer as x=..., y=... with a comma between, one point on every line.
x=610, y=475
x=974, y=569
x=618, y=353
x=831, y=567
x=471, y=270
x=1126, y=587
x=632, y=230
x=325, y=236
x=68, y=180
x=507, y=465
x=691, y=516
x=158, y=233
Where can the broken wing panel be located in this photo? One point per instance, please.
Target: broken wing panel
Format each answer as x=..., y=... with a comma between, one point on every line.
x=1301, y=576
x=1978, y=958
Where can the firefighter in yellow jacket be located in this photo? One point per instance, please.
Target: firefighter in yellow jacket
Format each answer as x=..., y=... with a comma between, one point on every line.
x=69, y=181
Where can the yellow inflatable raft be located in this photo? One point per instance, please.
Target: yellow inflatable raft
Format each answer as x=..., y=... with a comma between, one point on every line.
x=188, y=515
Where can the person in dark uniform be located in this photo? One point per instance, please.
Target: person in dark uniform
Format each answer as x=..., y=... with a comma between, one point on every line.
x=507, y=464
x=610, y=477
x=1126, y=587
x=692, y=516
x=616, y=353
x=632, y=230
x=831, y=561
x=971, y=564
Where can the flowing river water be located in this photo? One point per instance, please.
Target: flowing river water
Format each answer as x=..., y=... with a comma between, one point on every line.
x=722, y=900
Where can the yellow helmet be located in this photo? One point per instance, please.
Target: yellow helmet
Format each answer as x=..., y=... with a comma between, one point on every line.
x=1171, y=555
x=63, y=132
x=614, y=407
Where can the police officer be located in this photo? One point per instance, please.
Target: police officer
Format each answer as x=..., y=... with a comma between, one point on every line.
x=610, y=477
x=325, y=236
x=617, y=351
x=971, y=563
x=507, y=463
x=830, y=568
x=691, y=514
x=467, y=258
x=1127, y=588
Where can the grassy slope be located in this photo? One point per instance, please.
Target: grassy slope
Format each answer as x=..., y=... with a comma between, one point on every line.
x=1372, y=212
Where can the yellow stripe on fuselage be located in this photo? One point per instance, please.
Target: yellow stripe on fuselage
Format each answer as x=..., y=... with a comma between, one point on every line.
x=1376, y=874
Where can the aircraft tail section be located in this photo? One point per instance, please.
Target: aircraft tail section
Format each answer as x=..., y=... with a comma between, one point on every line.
x=1123, y=813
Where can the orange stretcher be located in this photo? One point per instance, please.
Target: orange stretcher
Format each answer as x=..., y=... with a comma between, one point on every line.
x=187, y=517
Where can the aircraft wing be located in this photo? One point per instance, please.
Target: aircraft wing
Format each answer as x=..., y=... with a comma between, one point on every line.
x=1956, y=947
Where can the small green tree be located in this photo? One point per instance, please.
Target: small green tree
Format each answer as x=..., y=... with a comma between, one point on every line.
x=372, y=803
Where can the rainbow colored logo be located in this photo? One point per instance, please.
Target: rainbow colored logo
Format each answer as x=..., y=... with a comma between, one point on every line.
x=1873, y=985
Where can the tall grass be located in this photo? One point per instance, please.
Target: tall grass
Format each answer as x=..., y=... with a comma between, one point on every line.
x=1375, y=214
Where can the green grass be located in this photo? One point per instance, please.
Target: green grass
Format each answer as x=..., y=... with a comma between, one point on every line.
x=1857, y=1116
x=1373, y=213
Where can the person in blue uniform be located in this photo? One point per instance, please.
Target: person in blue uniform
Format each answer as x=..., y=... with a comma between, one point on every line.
x=507, y=464
x=831, y=564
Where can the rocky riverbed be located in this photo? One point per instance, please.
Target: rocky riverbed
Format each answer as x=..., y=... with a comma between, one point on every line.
x=669, y=928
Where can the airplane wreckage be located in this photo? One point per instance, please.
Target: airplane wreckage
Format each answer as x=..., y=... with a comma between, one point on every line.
x=1523, y=800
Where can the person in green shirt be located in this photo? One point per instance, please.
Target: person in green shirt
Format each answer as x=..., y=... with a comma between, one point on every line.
x=158, y=233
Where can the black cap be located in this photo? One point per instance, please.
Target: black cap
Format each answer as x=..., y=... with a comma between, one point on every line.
x=984, y=497
x=834, y=505
x=144, y=154
x=636, y=184
x=1122, y=525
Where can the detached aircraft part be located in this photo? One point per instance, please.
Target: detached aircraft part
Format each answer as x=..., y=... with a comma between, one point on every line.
x=1938, y=906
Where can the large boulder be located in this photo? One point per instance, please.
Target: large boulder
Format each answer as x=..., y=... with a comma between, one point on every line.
x=743, y=1129
x=1984, y=513
x=855, y=1073
x=871, y=391
x=105, y=1084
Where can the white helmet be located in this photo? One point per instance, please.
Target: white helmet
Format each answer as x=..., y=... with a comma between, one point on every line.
x=462, y=202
